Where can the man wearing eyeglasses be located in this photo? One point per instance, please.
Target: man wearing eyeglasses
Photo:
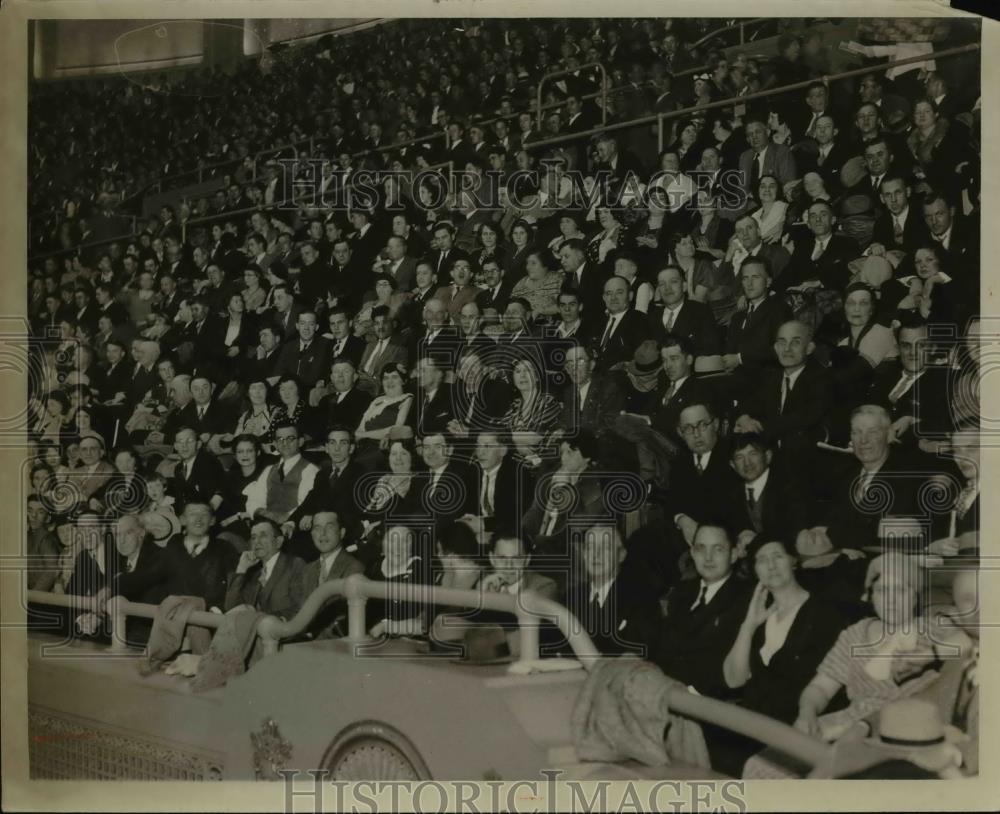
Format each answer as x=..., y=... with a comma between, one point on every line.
x=702, y=474
x=283, y=487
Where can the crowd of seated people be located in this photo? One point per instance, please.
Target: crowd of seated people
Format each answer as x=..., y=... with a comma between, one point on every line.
x=786, y=385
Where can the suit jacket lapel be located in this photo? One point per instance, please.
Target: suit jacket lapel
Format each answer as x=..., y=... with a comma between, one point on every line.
x=268, y=588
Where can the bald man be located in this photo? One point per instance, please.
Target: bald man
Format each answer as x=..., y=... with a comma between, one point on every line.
x=789, y=404
x=623, y=328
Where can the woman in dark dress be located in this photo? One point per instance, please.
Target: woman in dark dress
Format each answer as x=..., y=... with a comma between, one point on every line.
x=786, y=634
x=250, y=462
x=401, y=565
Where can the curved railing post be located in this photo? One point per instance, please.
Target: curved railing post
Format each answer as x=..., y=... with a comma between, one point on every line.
x=566, y=72
x=117, y=608
x=357, y=629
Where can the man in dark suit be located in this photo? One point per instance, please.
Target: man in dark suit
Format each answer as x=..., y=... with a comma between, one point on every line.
x=700, y=475
x=365, y=239
x=880, y=480
x=615, y=603
x=502, y=487
x=789, y=404
x=803, y=120
x=682, y=317
x=200, y=565
x=625, y=328
x=333, y=563
x=680, y=388
x=917, y=396
x=266, y=578
x=438, y=337
x=899, y=227
x=435, y=405
x=143, y=376
x=261, y=367
x=198, y=476
x=307, y=356
x=286, y=313
x=748, y=243
x=397, y=264
x=494, y=291
x=345, y=282
x=446, y=252
x=206, y=415
x=591, y=401
x=764, y=157
x=959, y=238
x=614, y=166
x=703, y=616
x=343, y=342
x=447, y=488
x=766, y=499
x=144, y=576
x=750, y=340
x=114, y=380
x=313, y=276
x=333, y=488
x=822, y=257
x=206, y=335
x=831, y=154
x=584, y=278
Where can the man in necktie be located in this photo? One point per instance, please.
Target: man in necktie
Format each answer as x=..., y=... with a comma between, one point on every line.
x=878, y=159
x=201, y=393
x=616, y=602
x=491, y=453
x=703, y=615
x=200, y=566
x=267, y=579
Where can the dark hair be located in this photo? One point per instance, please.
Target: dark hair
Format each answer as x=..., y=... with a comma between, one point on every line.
x=460, y=540
x=759, y=260
x=398, y=367
x=268, y=521
x=764, y=539
x=585, y=442
x=742, y=440
x=680, y=341
x=248, y=437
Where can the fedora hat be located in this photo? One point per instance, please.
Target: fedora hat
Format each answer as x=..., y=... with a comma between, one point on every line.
x=645, y=360
x=855, y=205
x=160, y=526
x=853, y=172
x=485, y=644
x=912, y=723
x=873, y=271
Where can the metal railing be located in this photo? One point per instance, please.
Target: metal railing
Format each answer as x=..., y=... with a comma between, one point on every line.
x=741, y=25
x=118, y=609
x=659, y=118
x=527, y=607
x=654, y=118
x=568, y=72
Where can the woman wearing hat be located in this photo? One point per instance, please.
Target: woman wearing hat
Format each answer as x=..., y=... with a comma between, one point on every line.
x=570, y=224
x=609, y=238
x=785, y=635
x=872, y=341
x=936, y=147
x=541, y=286
x=532, y=409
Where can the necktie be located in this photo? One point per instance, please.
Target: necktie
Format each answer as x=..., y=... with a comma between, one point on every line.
x=201, y=413
x=130, y=566
x=786, y=388
x=671, y=316
x=822, y=156
x=671, y=391
x=755, y=172
x=334, y=474
x=811, y=130
x=817, y=250
x=262, y=577
x=749, y=314
x=863, y=482
x=751, y=500
x=700, y=601
x=698, y=464
x=486, y=503
x=966, y=498
x=901, y=387
x=281, y=471
x=607, y=332
x=897, y=229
